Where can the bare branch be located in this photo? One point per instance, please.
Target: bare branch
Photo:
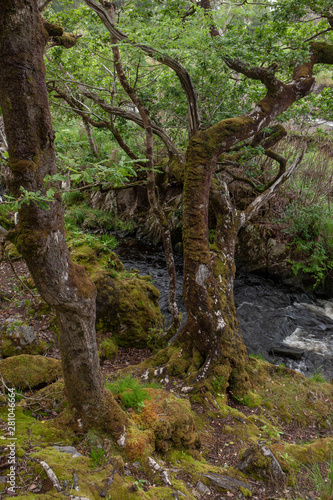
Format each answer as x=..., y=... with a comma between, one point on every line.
x=253, y=208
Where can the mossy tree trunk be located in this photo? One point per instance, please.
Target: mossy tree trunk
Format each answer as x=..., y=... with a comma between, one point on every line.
x=40, y=234
x=212, y=329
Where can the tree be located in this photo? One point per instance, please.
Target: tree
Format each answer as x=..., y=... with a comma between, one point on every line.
x=221, y=144
x=39, y=234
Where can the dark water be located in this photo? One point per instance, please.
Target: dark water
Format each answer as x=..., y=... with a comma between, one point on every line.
x=271, y=316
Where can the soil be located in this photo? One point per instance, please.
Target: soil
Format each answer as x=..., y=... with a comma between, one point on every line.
x=218, y=447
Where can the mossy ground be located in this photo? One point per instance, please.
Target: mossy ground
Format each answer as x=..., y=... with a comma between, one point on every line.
x=296, y=429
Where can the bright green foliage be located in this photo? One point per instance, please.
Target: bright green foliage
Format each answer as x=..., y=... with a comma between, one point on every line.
x=129, y=391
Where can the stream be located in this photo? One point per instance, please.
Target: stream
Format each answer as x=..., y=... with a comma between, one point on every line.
x=282, y=324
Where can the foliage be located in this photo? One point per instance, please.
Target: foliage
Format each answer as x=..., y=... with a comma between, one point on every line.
x=311, y=228
x=129, y=391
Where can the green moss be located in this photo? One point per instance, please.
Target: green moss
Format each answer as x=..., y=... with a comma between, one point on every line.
x=245, y=492
x=27, y=371
x=170, y=419
x=128, y=307
x=10, y=347
x=108, y=350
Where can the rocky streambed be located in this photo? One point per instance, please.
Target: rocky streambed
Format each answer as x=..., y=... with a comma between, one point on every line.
x=281, y=323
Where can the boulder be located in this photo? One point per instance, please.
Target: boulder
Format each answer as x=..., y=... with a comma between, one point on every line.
x=26, y=371
x=259, y=462
x=127, y=306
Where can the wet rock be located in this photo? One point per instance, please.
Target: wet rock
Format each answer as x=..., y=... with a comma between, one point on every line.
x=260, y=463
x=225, y=483
x=286, y=352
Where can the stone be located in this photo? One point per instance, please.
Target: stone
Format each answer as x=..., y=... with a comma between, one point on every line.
x=127, y=306
x=259, y=462
x=18, y=338
x=286, y=352
x=202, y=488
x=225, y=483
x=68, y=449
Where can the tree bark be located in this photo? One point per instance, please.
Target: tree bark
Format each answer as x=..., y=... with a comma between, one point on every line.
x=212, y=328
x=39, y=234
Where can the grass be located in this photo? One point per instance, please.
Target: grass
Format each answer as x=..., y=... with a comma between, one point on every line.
x=317, y=377
x=322, y=482
x=129, y=391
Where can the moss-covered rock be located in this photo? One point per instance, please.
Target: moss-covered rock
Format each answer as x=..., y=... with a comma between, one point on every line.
x=27, y=371
x=108, y=350
x=170, y=419
x=19, y=338
x=127, y=305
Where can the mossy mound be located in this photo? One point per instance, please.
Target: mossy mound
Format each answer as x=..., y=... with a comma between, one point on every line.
x=27, y=371
x=128, y=306
x=108, y=350
x=170, y=419
x=97, y=260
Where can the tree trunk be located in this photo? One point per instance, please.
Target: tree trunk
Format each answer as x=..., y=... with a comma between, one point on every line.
x=39, y=234
x=212, y=328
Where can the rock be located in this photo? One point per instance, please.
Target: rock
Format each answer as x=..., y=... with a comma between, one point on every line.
x=202, y=488
x=19, y=338
x=27, y=371
x=68, y=449
x=225, y=483
x=286, y=352
x=259, y=462
x=128, y=306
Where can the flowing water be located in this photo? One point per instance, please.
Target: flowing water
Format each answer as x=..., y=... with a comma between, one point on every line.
x=282, y=324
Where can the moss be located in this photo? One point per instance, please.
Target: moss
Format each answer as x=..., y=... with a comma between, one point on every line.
x=245, y=492
x=139, y=443
x=10, y=348
x=53, y=29
x=128, y=306
x=20, y=166
x=108, y=350
x=170, y=419
x=318, y=451
x=27, y=371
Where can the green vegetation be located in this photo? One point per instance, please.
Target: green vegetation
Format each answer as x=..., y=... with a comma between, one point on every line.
x=130, y=392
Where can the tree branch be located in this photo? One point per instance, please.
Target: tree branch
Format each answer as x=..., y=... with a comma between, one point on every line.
x=184, y=77
x=254, y=207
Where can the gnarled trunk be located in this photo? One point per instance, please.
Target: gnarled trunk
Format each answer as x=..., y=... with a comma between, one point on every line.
x=39, y=234
x=212, y=327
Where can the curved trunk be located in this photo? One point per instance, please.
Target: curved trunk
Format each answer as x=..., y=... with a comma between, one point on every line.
x=40, y=234
x=212, y=327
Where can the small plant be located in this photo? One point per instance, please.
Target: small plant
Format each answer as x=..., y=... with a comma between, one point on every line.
x=257, y=356
x=97, y=456
x=130, y=392
x=323, y=484
x=317, y=377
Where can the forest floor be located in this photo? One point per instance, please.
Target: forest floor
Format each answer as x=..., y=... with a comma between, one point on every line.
x=221, y=439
